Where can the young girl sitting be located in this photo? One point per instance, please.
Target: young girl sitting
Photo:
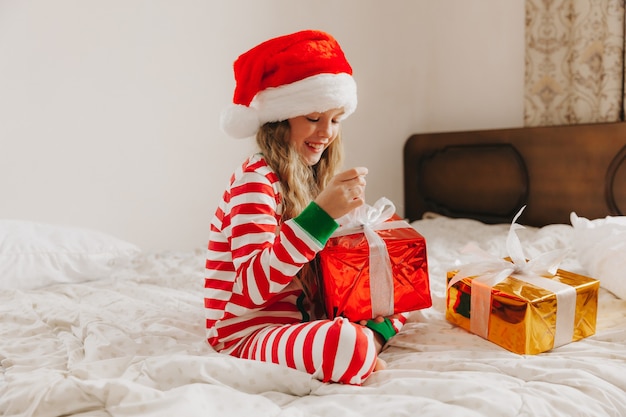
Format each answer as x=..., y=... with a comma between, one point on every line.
x=262, y=293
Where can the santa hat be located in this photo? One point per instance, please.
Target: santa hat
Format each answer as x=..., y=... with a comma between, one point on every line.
x=289, y=76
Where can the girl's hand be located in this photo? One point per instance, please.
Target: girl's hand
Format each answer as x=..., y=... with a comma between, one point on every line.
x=380, y=319
x=344, y=192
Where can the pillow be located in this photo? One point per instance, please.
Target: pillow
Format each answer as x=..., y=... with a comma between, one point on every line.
x=34, y=255
x=600, y=245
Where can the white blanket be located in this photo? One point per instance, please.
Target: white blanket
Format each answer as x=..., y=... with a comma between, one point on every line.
x=133, y=345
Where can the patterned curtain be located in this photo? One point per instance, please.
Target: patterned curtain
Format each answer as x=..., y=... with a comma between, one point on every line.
x=574, y=62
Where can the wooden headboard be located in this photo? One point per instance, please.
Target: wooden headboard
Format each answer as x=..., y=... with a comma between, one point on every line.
x=489, y=175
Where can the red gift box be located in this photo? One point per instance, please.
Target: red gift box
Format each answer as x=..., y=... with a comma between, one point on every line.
x=376, y=269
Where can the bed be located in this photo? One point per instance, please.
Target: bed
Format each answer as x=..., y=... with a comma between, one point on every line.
x=90, y=325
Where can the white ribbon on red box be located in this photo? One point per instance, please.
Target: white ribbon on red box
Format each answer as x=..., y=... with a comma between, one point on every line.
x=367, y=219
x=489, y=270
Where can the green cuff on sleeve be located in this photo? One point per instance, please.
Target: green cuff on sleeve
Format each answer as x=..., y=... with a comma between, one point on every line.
x=385, y=329
x=316, y=222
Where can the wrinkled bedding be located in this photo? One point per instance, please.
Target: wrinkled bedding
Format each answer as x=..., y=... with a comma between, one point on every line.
x=133, y=345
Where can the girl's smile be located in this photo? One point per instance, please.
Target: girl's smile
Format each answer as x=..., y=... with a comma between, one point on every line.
x=311, y=134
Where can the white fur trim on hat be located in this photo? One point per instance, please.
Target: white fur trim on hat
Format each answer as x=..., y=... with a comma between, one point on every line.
x=318, y=93
x=239, y=121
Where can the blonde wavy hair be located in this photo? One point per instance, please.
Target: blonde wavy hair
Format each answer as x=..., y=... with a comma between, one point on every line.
x=300, y=183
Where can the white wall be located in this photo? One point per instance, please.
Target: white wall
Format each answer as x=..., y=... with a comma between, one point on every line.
x=109, y=108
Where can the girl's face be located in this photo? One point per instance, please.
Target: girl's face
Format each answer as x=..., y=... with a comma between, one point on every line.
x=311, y=134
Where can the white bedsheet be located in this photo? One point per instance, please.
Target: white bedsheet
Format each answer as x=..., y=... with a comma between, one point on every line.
x=133, y=345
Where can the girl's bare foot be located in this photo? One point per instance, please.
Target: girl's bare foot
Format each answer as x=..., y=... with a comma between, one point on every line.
x=380, y=365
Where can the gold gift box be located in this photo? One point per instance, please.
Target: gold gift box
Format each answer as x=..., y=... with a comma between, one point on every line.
x=523, y=316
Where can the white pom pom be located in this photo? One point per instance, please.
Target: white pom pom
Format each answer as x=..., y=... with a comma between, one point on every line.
x=239, y=121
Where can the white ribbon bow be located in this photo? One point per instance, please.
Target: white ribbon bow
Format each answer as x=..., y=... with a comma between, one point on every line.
x=490, y=270
x=367, y=219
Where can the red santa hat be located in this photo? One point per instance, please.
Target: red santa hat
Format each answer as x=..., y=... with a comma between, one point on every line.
x=289, y=76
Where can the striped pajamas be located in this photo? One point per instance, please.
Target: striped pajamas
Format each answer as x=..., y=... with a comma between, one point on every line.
x=330, y=350
x=253, y=306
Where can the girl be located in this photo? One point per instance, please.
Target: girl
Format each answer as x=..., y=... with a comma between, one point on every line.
x=262, y=295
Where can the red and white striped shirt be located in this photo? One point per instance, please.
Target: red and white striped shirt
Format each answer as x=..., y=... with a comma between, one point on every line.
x=252, y=258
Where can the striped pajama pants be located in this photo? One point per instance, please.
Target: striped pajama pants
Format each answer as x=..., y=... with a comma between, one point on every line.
x=330, y=350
